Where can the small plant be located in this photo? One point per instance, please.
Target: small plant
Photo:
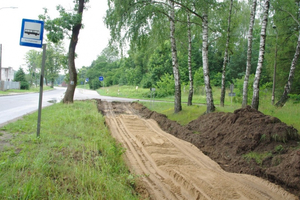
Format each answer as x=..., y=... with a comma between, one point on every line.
x=279, y=148
x=258, y=157
x=263, y=137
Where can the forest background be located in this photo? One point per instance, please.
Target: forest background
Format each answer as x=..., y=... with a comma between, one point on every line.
x=140, y=49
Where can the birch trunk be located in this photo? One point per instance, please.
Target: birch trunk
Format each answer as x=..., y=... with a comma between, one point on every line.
x=209, y=96
x=255, y=98
x=225, y=58
x=288, y=85
x=249, y=54
x=177, y=99
x=69, y=95
x=191, y=89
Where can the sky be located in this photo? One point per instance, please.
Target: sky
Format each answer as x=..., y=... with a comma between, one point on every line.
x=92, y=39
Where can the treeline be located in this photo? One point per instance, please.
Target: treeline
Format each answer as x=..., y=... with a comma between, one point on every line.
x=144, y=28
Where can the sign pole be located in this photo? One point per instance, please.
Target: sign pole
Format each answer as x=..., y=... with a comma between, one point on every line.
x=41, y=91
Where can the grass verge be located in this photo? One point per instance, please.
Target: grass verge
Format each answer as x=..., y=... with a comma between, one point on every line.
x=75, y=157
x=289, y=114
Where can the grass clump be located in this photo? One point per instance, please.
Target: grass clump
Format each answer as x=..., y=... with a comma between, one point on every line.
x=258, y=157
x=75, y=157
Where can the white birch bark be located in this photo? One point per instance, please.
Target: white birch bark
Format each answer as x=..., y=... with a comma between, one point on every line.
x=255, y=98
x=177, y=95
x=288, y=85
x=249, y=54
x=209, y=96
x=225, y=57
x=191, y=89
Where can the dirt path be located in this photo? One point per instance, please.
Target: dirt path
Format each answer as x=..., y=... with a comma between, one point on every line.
x=170, y=168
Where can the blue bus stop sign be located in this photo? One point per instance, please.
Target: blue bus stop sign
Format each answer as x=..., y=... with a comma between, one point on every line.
x=100, y=78
x=32, y=33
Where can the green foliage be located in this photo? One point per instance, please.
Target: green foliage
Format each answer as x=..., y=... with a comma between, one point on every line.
x=199, y=77
x=20, y=77
x=165, y=86
x=258, y=157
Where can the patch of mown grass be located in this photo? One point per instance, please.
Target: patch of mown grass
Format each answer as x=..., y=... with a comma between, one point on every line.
x=32, y=89
x=289, y=114
x=74, y=158
x=187, y=114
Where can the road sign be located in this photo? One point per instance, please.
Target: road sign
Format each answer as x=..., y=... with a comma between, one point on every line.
x=32, y=33
x=87, y=80
x=231, y=94
x=101, y=78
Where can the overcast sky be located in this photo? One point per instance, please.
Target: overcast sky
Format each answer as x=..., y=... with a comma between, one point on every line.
x=92, y=39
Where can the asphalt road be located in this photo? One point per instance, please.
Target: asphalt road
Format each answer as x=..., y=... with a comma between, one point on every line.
x=12, y=107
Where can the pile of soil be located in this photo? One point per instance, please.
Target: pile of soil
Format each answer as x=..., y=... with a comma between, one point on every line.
x=228, y=138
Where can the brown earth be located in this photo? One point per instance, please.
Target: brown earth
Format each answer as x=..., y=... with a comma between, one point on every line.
x=170, y=168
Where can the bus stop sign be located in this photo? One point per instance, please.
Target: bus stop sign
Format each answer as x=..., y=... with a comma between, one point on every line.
x=32, y=33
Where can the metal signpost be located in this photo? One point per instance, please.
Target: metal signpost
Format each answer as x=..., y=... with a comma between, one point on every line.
x=231, y=94
x=102, y=79
x=32, y=36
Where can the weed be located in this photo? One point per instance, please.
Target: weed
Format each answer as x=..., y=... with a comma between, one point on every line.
x=258, y=157
x=279, y=148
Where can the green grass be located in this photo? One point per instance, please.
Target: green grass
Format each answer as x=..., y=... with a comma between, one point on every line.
x=289, y=114
x=258, y=157
x=32, y=89
x=75, y=157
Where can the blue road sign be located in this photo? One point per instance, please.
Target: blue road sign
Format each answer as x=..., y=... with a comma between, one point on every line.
x=101, y=78
x=32, y=33
x=87, y=80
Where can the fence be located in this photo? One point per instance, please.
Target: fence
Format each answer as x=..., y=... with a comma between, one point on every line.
x=6, y=85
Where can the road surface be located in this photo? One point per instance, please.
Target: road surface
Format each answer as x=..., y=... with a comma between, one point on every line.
x=12, y=107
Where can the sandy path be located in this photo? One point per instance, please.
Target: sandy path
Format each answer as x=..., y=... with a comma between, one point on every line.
x=170, y=168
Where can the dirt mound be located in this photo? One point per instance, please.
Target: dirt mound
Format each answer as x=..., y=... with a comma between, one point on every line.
x=246, y=141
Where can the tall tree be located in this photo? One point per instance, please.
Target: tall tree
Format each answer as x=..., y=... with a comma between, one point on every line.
x=225, y=57
x=191, y=88
x=33, y=61
x=67, y=22
x=255, y=98
x=177, y=102
x=209, y=96
x=288, y=85
x=249, y=54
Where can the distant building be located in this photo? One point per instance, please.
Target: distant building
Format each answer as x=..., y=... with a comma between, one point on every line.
x=7, y=74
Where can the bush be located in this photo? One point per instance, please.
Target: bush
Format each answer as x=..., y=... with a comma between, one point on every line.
x=165, y=86
x=24, y=85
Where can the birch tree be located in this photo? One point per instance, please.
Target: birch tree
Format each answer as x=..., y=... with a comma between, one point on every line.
x=249, y=55
x=191, y=88
x=177, y=101
x=288, y=85
x=255, y=98
x=209, y=97
x=225, y=57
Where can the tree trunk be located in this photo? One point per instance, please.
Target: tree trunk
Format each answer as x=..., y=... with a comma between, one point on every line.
x=191, y=89
x=225, y=58
x=288, y=85
x=177, y=103
x=249, y=54
x=255, y=98
x=209, y=96
x=69, y=95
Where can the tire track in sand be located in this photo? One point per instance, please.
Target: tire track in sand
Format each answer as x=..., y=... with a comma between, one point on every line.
x=170, y=168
